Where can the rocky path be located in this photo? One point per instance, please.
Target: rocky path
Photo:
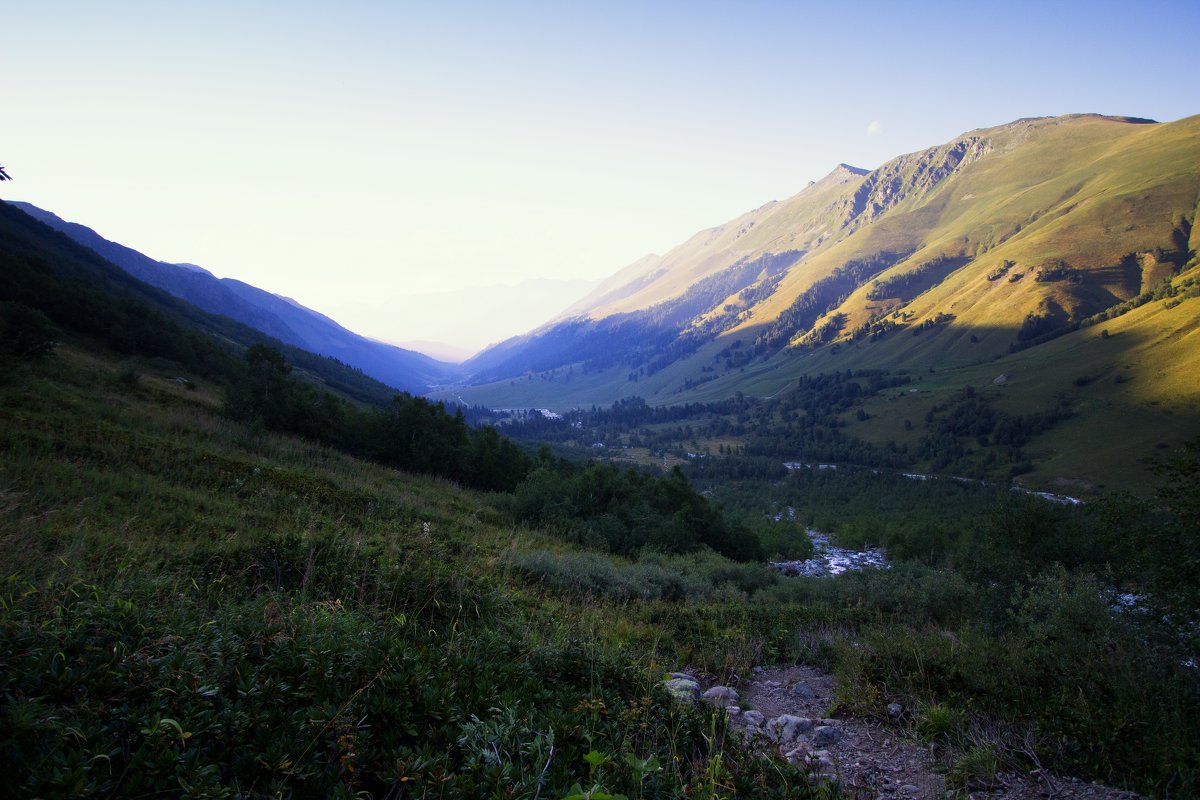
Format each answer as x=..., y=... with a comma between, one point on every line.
x=786, y=711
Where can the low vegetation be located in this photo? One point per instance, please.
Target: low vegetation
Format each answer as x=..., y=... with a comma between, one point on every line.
x=196, y=604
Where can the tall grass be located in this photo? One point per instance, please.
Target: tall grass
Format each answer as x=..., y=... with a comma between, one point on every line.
x=190, y=606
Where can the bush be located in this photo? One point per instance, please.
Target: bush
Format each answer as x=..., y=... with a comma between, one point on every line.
x=655, y=576
x=26, y=332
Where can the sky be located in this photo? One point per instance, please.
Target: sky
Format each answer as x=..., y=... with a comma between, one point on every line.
x=382, y=162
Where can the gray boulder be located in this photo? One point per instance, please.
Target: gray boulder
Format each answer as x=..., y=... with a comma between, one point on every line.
x=788, y=728
x=825, y=735
x=721, y=696
x=753, y=719
x=803, y=691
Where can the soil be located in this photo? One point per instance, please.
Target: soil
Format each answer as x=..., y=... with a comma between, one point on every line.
x=878, y=758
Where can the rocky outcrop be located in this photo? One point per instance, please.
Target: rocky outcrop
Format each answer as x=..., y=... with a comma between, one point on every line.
x=907, y=176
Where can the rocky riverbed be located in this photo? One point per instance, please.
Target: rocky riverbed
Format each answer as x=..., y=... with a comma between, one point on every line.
x=829, y=559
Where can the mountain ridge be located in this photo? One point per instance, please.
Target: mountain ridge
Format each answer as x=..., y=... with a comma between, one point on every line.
x=1001, y=249
x=280, y=317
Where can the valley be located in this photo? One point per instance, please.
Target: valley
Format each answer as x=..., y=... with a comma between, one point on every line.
x=240, y=565
x=1046, y=264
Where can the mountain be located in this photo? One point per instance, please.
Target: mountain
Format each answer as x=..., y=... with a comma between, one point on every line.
x=278, y=317
x=1048, y=250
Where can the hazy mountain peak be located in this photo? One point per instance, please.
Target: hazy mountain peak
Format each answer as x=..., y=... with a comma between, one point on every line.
x=844, y=168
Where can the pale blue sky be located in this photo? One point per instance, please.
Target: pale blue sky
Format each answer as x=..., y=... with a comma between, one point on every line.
x=365, y=153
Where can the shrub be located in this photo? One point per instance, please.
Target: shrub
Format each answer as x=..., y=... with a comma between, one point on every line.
x=25, y=332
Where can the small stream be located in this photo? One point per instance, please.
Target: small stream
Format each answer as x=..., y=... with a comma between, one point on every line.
x=829, y=559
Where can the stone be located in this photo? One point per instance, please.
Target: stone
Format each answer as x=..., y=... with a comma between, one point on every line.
x=825, y=735
x=798, y=755
x=733, y=711
x=753, y=718
x=683, y=688
x=721, y=696
x=788, y=728
x=803, y=691
x=894, y=710
x=758, y=670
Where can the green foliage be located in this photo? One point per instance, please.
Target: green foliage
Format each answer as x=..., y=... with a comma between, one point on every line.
x=191, y=607
x=784, y=540
x=25, y=332
x=975, y=768
x=937, y=722
x=626, y=512
x=408, y=433
x=700, y=576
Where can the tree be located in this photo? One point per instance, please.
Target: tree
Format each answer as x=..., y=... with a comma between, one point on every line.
x=4, y=176
x=25, y=332
x=263, y=390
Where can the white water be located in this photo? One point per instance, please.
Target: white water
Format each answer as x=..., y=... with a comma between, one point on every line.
x=829, y=559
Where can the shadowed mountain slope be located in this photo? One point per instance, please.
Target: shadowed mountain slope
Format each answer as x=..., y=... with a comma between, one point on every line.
x=79, y=291
x=279, y=317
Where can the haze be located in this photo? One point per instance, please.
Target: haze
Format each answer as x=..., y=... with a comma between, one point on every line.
x=371, y=159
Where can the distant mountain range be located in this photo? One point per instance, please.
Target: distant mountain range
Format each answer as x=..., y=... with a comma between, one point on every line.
x=471, y=317
x=1008, y=251
x=276, y=316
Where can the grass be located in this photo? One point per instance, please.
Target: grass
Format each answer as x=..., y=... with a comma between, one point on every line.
x=193, y=605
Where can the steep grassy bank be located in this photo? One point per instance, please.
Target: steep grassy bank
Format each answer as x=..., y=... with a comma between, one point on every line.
x=192, y=605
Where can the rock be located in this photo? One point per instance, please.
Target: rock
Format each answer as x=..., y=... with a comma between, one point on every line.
x=826, y=735
x=758, y=670
x=908, y=788
x=683, y=688
x=803, y=691
x=721, y=696
x=683, y=675
x=894, y=710
x=788, y=728
x=733, y=711
x=798, y=755
x=753, y=718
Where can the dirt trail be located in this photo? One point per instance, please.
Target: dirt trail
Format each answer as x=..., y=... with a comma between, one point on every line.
x=875, y=759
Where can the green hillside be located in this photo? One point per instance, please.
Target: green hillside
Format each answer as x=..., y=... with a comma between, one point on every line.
x=196, y=605
x=1008, y=250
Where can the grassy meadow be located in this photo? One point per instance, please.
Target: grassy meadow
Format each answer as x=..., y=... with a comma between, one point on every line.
x=193, y=605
